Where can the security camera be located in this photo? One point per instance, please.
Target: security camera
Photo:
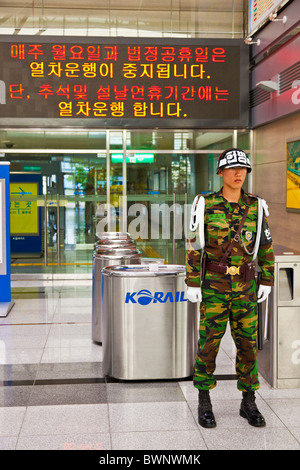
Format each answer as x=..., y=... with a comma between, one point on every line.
x=250, y=41
x=273, y=17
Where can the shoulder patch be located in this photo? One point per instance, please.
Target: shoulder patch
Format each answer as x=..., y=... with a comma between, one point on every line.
x=252, y=198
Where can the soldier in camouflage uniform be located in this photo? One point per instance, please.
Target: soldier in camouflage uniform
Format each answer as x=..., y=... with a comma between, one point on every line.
x=229, y=293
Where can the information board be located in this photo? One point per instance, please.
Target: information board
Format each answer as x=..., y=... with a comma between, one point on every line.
x=259, y=12
x=25, y=215
x=133, y=82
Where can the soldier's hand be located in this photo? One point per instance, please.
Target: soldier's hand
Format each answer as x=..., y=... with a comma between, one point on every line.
x=194, y=294
x=263, y=293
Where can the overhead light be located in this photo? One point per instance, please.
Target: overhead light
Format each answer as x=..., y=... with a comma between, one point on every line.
x=268, y=85
x=273, y=17
x=250, y=41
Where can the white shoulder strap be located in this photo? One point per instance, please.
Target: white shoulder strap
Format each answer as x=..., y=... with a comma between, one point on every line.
x=194, y=220
x=197, y=218
x=265, y=207
x=262, y=207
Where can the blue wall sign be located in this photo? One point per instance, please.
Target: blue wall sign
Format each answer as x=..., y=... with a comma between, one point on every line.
x=25, y=214
x=5, y=284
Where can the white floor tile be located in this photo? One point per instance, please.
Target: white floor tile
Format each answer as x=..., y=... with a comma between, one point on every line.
x=224, y=364
x=21, y=331
x=287, y=410
x=166, y=440
x=11, y=420
x=172, y=416
x=253, y=439
x=20, y=356
x=267, y=392
x=67, y=335
x=66, y=419
x=8, y=443
x=61, y=317
x=295, y=431
x=92, y=353
x=24, y=336
x=29, y=305
x=100, y=442
x=78, y=302
x=33, y=317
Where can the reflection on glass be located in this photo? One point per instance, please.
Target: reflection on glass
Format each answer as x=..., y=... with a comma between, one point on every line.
x=152, y=184
x=164, y=170
x=116, y=191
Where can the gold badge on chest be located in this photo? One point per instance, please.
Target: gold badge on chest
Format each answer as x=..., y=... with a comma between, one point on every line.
x=248, y=235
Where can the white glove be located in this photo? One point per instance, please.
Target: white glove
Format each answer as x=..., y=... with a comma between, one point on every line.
x=194, y=294
x=263, y=293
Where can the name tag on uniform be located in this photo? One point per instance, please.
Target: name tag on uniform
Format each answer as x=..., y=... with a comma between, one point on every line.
x=217, y=216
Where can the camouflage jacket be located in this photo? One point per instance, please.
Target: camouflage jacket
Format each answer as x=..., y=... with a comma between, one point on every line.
x=221, y=222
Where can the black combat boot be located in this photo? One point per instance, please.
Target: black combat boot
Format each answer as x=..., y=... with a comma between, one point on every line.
x=249, y=410
x=206, y=417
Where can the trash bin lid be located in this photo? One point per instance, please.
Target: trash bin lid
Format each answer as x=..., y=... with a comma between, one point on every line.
x=111, y=243
x=140, y=270
x=117, y=252
x=114, y=235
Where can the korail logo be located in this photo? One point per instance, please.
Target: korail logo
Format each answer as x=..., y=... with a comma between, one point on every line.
x=145, y=297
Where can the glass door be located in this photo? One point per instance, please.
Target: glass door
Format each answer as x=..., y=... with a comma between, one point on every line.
x=72, y=216
x=156, y=196
x=53, y=222
x=137, y=181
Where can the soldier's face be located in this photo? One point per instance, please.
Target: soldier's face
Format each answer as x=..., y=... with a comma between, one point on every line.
x=234, y=177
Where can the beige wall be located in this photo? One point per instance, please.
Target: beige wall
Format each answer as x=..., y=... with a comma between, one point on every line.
x=269, y=178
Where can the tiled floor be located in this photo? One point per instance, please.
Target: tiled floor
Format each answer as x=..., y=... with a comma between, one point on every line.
x=53, y=394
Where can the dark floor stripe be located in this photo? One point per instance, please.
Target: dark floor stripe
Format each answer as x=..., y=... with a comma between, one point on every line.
x=91, y=380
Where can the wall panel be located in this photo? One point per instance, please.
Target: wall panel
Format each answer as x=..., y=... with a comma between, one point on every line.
x=269, y=177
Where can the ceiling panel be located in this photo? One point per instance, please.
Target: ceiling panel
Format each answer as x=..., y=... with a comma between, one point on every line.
x=116, y=17
x=200, y=5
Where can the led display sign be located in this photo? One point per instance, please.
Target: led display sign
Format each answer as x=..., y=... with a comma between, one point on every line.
x=132, y=82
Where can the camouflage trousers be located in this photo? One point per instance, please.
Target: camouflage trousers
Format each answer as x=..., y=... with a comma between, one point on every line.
x=225, y=299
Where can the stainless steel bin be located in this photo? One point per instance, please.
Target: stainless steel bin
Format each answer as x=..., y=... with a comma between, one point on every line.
x=114, y=239
x=150, y=329
x=109, y=251
x=279, y=360
x=152, y=260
